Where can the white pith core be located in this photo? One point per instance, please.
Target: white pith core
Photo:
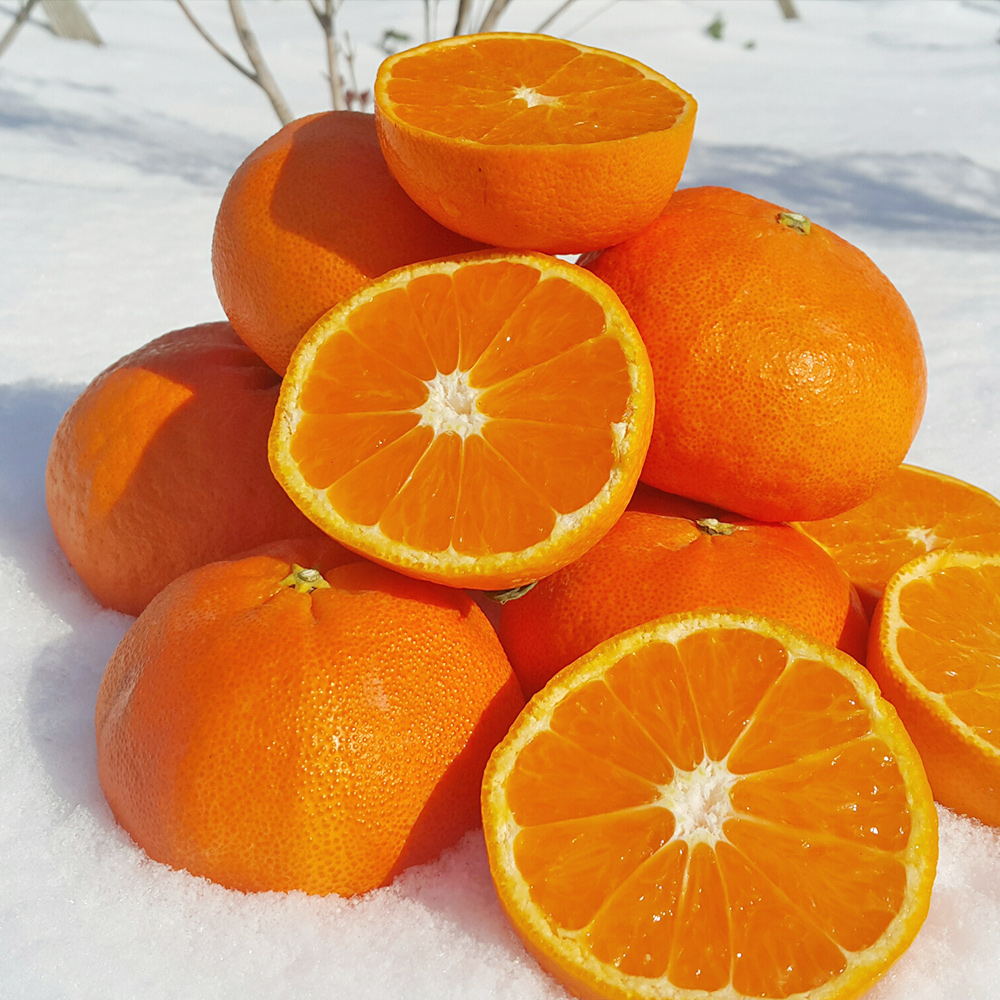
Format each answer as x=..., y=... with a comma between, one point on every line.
x=700, y=802
x=532, y=98
x=925, y=536
x=451, y=406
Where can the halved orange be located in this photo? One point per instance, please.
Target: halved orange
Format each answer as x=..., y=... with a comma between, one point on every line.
x=711, y=805
x=480, y=421
x=913, y=512
x=934, y=649
x=532, y=142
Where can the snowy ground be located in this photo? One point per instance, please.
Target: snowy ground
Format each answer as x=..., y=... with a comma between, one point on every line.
x=877, y=118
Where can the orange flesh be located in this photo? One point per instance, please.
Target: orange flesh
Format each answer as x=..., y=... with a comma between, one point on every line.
x=528, y=451
x=803, y=838
x=948, y=640
x=502, y=92
x=915, y=511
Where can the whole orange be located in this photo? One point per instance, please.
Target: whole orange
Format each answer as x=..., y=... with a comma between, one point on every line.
x=663, y=558
x=161, y=465
x=308, y=218
x=790, y=378
x=300, y=718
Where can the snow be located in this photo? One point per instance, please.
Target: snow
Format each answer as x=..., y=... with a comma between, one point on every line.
x=877, y=118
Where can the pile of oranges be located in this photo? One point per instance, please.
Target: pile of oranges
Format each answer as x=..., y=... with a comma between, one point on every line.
x=418, y=410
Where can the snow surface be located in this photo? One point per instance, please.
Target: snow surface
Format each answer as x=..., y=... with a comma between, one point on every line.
x=877, y=118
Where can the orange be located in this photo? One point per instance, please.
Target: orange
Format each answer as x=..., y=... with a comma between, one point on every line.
x=935, y=652
x=654, y=564
x=532, y=142
x=161, y=466
x=790, y=377
x=308, y=218
x=479, y=421
x=711, y=805
x=914, y=511
x=300, y=718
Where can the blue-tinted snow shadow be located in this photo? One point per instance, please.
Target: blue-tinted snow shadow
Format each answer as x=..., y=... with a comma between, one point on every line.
x=62, y=687
x=59, y=707
x=29, y=415
x=153, y=144
x=948, y=201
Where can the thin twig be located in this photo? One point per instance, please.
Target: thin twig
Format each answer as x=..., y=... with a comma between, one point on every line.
x=597, y=13
x=462, y=17
x=327, y=17
x=553, y=16
x=258, y=71
x=264, y=78
x=492, y=15
x=788, y=10
x=354, y=95
x=19, y=19
x=69, y=20
x=215, y=45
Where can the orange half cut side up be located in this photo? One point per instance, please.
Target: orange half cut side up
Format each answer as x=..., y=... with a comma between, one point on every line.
x=479, y=421
x=935, y=639
x=711, y=805
x=531, y=141
x=915, y=511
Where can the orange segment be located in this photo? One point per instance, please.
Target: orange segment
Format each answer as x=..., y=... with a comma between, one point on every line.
x=800, y=956
x=362, y=435
x=479, y=421
x=936, y=644
x=855, y=794
x=711, y=802
x=572, y=885
x=500, y=510
x=408, y=518
x=531, y=141
x=486, y=299
x=650, y=897
x=353, y=376
x=550, y=320
x=701, y=949
x=913, y=512
x=823, y=875
x=558, y=460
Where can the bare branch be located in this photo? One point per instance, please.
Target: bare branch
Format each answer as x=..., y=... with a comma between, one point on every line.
x=462, y=17
x=354, y=95
x=788, y=9
x=70, y=20
x=15, y=27
x=264, y=79
x=259, y=73
x=492, y=15
x=327, y=17
x=553, y=16
x=591, y=17
x=215, y=45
